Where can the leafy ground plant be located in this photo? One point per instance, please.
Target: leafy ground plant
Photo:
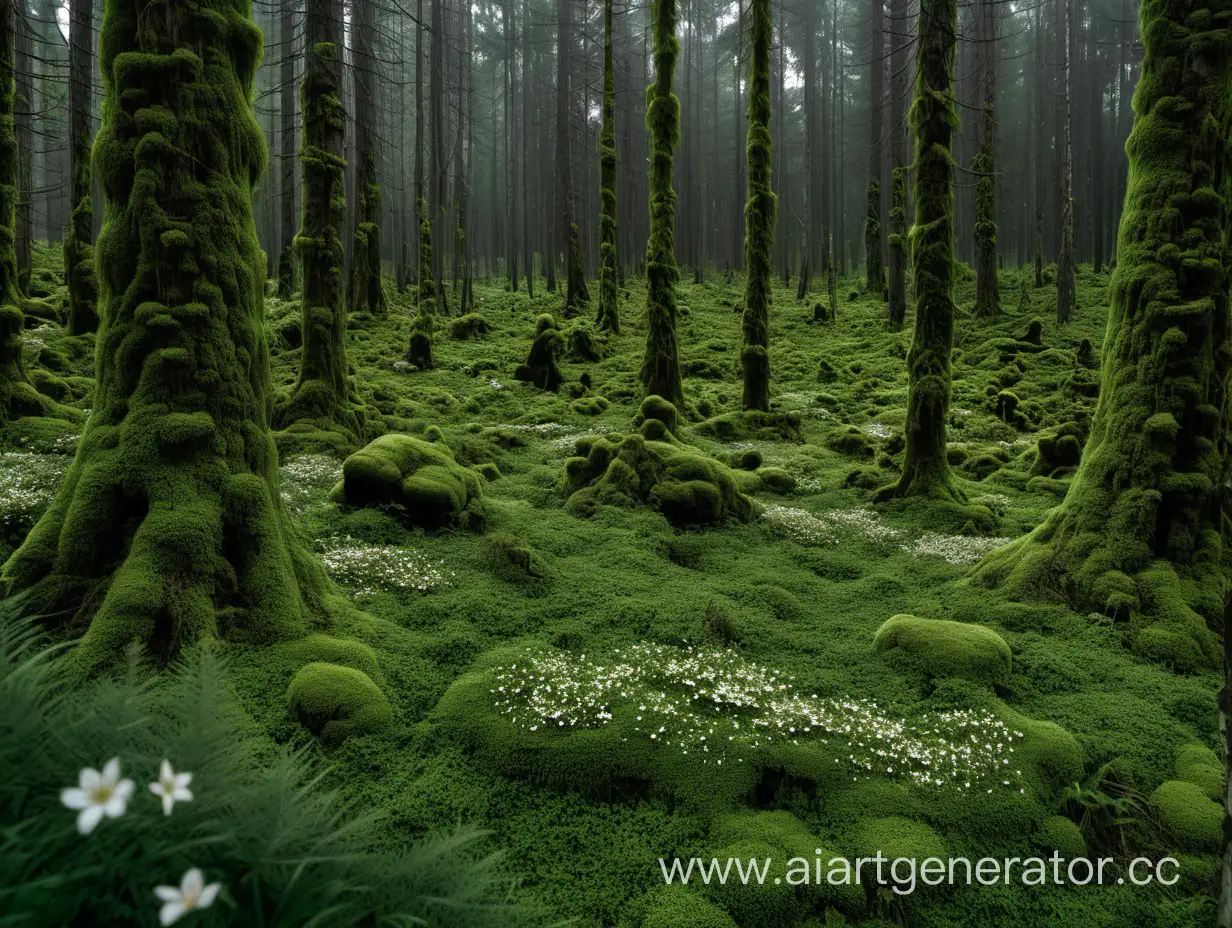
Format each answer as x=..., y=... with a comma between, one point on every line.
x=143, y=800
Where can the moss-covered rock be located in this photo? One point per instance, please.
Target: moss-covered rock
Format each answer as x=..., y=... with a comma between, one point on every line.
x=777, y=480
x=1188, y=815
x=896, y=836
x=422, y=478
x=939, y=647
x=472, y=325
x=679, y=907
x=336, y=703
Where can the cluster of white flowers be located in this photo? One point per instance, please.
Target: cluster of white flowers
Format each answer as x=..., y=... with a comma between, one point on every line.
x=956, y=549
x=993, y=500
x=828, y=527
x=306, y=476
x=809, y=483
x=538, y=430
x=36, y=338
x=28, y=484
x=370, y=569
x=495, y=384
x=720, y=707
x=877, y=430
x=104, y=794
x=403, y=365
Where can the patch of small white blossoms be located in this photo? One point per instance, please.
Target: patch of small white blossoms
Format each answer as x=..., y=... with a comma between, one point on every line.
x=308, y=475
x=495, y=384
x=877, y=430
x=807, y=405
x=370, y=569
x=36, y=338
x=721, y=708
x=828, y=527
x=956, y=549
x=28, y=484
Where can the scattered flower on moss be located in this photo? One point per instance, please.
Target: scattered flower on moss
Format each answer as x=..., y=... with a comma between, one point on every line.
x=28, y=484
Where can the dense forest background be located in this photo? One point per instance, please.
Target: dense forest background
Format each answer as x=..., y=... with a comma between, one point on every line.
x=493, y=112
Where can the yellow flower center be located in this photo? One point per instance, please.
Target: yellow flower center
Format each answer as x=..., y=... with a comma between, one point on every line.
x=100, y=795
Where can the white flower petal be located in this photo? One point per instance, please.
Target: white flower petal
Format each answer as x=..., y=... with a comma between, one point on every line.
x=168, y=893
x=74, y=798
x=89, y=818
x=171, y=913
x=208, y=895
x=168, y=803
x=89, y=779
x=111, y=771
x=182, y=779
x=164, y=770
x=114, y=807
x=124, y=790
x=182, y=795
x=192, y=883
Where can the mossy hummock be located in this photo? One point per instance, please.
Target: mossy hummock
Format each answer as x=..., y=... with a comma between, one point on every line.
x=1140, y=532
x=926, y=472
x=320, y=399
x=169, y=525
x=661, y=363
x=760, y=215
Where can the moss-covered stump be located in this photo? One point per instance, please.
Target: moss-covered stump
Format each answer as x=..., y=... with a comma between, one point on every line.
x=653, y=468
x=939, y=647
x=472, y=325
x=335, y=702
x=421, y=478
x=169, y=525
x=540, y=368
x=1141, y=531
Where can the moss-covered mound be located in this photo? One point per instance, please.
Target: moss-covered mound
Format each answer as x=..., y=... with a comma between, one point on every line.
x=942, y=648
x=655, y=469
x=1188, y=816
x=336, y=703
x=422, y=478
x=1199, y=765
x=678, y=907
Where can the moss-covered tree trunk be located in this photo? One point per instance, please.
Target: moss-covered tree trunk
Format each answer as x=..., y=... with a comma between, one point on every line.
x=1140, y=533
x=367, y=295
x=18, y=398
x=169, y=525
x=874, y=264
x=1066, y=289
x=898, y=249
x=419, y=349
x=79, y=235
x=661, y=362
x=926, y=472
x=983, y=165
x=23, y=127
x=760, y=215
x=286, y=167
x=609, y=272
x=320, y=398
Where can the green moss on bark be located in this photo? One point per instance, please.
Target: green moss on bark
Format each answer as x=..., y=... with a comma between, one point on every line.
x=875, y=282
x=926, y=472
x=79, y=234
x=169, y=525
x=419, y=350
x=1140, y=532
x=898, y=249
x=760, y=215
x=661, y=363
x=609, y=271
x=983, y=165
x=320, y=399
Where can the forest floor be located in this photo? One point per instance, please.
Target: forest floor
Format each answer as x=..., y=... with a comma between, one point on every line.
x=797, y=593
